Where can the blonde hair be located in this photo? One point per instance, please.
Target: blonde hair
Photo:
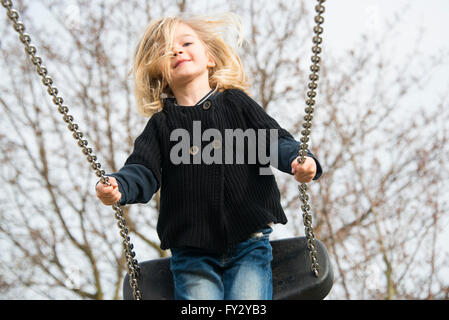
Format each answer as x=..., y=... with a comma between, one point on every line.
x=151, y=67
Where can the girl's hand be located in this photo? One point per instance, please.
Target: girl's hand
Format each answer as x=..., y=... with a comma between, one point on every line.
x=108, y=194
x=304, y=172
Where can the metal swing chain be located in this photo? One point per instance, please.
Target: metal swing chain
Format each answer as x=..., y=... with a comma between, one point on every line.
x=133, y=267
x=310, y=102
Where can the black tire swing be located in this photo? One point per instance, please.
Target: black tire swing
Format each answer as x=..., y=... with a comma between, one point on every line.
x=293, y=278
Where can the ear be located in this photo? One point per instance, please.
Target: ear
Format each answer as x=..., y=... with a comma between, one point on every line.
x=211, y=63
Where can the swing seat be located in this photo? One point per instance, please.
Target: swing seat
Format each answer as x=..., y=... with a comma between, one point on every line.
x=292, y=275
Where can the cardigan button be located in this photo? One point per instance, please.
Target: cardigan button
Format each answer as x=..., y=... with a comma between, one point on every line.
x=216, y=144
x=207, y=105
x=194, y=150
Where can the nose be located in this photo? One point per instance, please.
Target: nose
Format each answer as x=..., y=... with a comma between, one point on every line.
x=176, y=52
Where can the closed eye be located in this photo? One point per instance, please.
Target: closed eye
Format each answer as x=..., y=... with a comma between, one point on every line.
x=187, y=43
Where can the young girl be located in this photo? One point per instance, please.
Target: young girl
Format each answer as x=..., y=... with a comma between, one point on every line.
x=215, y=216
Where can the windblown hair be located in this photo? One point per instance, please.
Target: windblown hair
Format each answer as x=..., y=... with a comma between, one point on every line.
x=151, y=68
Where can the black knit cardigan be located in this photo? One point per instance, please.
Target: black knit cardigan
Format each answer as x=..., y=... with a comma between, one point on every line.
x=210, y=206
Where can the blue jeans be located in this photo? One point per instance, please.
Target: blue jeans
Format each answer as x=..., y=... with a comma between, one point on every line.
x=242, y=273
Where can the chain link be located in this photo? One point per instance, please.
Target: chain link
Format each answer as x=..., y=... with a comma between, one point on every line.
x=307, y=125
x=133, y=267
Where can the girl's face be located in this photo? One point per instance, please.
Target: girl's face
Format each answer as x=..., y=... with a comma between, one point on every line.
x=190, y=59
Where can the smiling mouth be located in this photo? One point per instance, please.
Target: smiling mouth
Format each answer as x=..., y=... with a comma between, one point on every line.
x=181, y=63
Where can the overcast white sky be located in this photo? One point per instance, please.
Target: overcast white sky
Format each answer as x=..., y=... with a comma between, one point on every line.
x=345, y=19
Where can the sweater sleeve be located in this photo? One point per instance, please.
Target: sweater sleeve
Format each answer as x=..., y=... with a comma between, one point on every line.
x=136, y=183
x=147, y=150
x=288, y=149
x=140, y=177
x=254, y=114
x=257, y=118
